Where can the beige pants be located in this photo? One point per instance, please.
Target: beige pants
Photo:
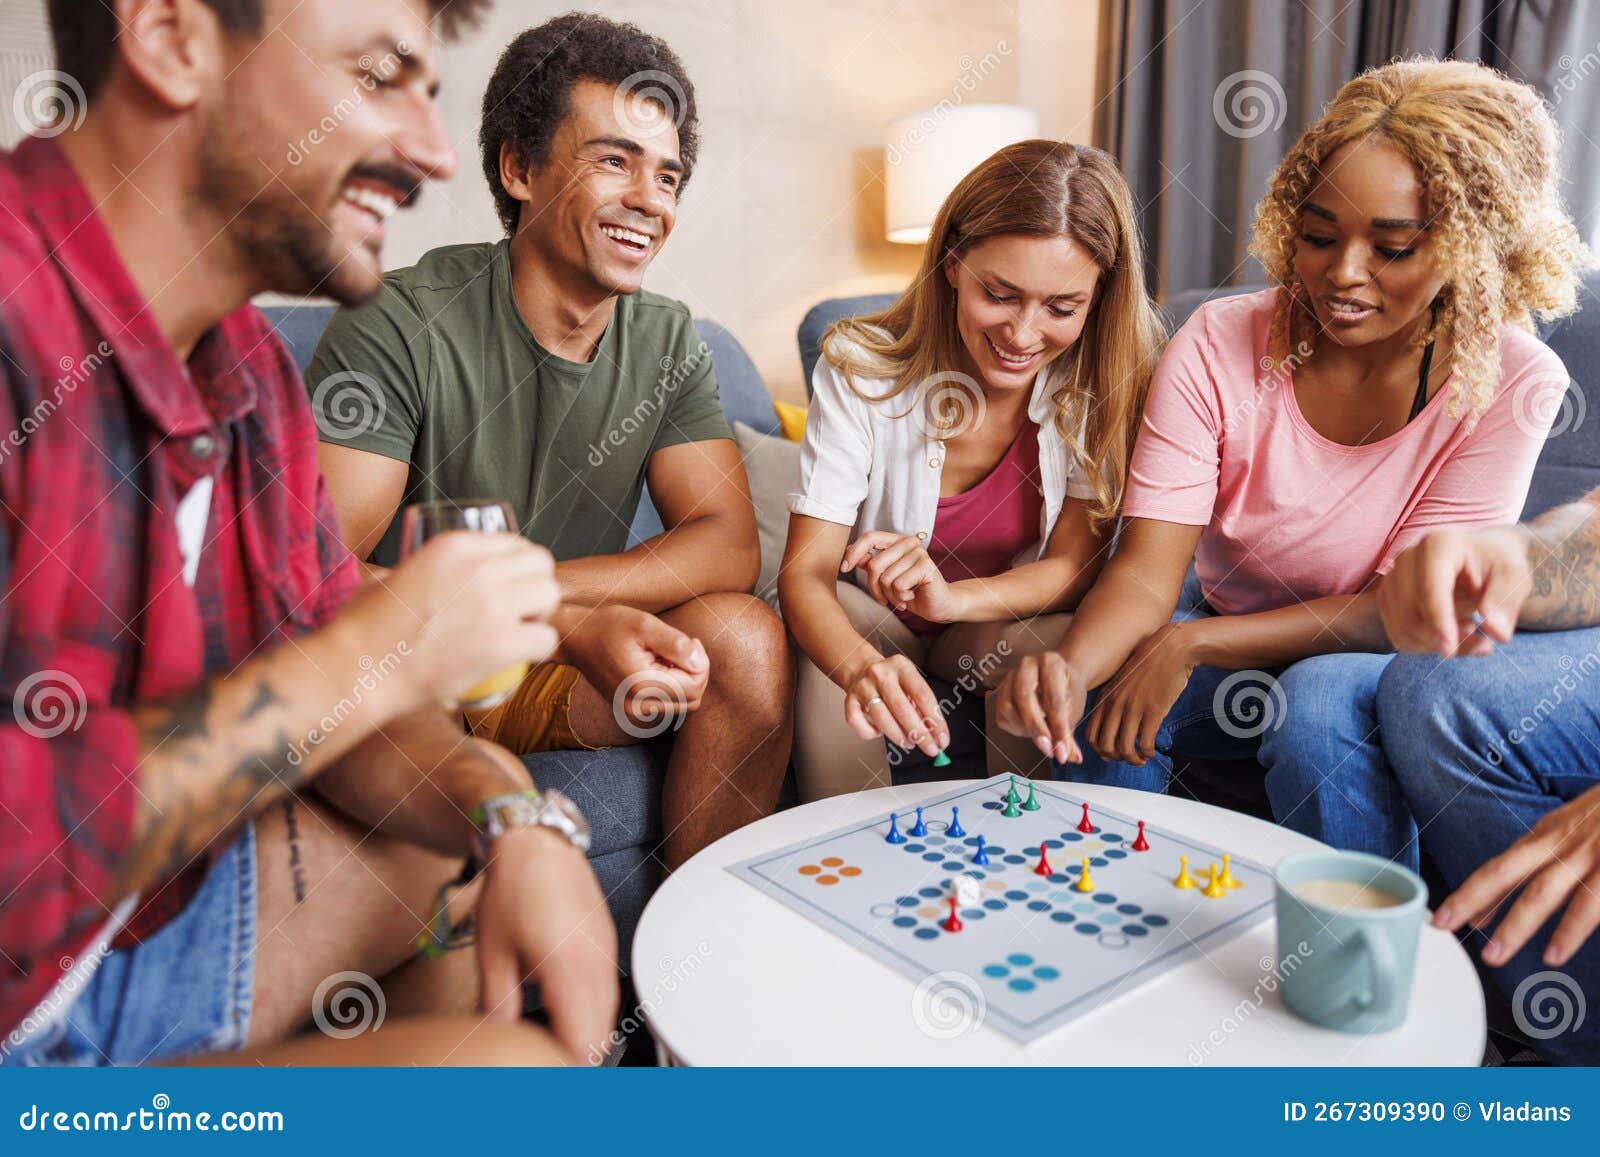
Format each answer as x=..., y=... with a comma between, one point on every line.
x=830, y=759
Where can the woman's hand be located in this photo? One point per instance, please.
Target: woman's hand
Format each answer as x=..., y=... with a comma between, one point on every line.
x=891, y=699
x=902, y=575
x=1430, y=597
x=1556, y=866
x=1137, y=698
x=1042, y=699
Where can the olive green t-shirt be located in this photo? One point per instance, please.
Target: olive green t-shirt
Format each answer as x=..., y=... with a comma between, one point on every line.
x=440, y=371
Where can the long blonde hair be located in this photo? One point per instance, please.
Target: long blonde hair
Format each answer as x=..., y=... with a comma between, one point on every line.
x=1043, y=189
x=1486, y=150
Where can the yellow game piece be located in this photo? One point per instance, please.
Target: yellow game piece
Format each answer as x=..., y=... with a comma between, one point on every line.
x=1213, y=889
x=1227, y=879
x=1085, y=884
x=1184, y=880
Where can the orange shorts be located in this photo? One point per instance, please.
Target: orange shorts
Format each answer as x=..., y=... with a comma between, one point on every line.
x=535, y=717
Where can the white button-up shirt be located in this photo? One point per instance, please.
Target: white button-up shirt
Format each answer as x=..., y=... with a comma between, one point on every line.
x=874, y=466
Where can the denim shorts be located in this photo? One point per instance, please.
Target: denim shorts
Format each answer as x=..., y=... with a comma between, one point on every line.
x=184, y=991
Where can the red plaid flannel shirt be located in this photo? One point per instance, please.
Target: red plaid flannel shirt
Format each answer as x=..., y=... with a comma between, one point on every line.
x=102, y=432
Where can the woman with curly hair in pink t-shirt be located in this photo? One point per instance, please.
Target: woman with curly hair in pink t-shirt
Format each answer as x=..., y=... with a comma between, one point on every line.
x=1297, y=439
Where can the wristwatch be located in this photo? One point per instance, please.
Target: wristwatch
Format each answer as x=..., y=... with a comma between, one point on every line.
x=496, y=816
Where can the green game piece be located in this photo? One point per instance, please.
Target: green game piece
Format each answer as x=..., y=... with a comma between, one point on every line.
x=1012, y=798
x=1011, y=811
x=1032, y=805
x=941, y=760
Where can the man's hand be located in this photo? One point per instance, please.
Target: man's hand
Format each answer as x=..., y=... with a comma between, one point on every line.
x=1042, y=699
x=1136, y=700
x=902, y=575
x=640, y=663
x=1556, y=864
x=467, y=605
x=1428, y=601
x=541, y=917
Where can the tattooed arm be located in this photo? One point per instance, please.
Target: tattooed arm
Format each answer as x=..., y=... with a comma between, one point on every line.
x=1541, y=576
x=467, y=605
x=1564, y=550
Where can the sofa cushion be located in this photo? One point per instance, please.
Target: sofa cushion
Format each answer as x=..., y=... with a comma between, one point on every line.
x=773, y=467
x=822, y=315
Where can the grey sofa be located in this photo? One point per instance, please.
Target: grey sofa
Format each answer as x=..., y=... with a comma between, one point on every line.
x=1568, y=467
x=619, y=790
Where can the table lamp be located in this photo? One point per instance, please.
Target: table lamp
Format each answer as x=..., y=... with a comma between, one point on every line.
x=928, y=152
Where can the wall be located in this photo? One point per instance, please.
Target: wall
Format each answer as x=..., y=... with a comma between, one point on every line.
x=786, y=207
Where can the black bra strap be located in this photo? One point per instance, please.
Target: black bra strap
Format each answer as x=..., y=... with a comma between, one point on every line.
x=1421, y=399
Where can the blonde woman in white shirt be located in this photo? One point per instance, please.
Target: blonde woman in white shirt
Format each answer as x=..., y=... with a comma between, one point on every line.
x=964, y=458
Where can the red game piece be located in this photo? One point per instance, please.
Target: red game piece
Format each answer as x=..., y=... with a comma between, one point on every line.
x=1084, y=825
x=1141, y=844
x=1044, y=868
x=953, y=924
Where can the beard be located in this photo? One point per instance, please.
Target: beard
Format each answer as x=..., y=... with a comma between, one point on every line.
x=284, y=244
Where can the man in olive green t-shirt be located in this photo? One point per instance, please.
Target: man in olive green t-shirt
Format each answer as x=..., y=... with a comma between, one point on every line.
x=537, y=370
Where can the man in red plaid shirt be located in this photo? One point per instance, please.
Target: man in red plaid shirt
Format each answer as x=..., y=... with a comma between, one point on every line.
x=226, y=783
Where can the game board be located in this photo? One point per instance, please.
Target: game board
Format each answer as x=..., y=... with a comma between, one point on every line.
x=1041, y=952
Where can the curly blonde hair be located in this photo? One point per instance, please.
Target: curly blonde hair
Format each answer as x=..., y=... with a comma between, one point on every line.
x=1486, y=150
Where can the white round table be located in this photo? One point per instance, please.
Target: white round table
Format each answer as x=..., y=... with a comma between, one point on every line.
x=727, y=975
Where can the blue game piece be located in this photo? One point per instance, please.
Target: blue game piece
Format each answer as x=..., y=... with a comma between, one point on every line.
x=980, y=857
x=921, y=829
x=956, y=831
x=894, y=836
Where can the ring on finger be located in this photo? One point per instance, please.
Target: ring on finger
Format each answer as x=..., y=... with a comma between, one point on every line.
x=875, y=701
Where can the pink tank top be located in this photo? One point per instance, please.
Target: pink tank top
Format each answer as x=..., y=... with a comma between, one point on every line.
x=978, y=532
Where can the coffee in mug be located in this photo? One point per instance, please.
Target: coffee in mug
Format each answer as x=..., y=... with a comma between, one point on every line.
x=1345, y=895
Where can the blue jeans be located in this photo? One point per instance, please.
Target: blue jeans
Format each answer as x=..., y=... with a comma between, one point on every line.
x=1483, y=749
x=1313, y=725
x=185, y=991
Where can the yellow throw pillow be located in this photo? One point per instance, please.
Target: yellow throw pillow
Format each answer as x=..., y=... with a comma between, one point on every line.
x=793, y=420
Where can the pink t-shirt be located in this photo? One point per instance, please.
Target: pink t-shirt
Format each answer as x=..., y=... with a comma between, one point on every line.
x=1290, y=515
x=979, y=532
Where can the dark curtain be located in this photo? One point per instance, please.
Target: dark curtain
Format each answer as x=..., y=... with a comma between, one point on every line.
x=1201, y=98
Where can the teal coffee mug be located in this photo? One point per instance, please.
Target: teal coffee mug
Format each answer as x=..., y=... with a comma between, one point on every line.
x=1347, y=938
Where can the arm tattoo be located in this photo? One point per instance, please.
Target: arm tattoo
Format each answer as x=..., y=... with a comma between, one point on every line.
x=1566, y=568
x=208, y=781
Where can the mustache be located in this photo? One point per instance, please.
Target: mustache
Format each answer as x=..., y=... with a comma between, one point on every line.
x=403, y=180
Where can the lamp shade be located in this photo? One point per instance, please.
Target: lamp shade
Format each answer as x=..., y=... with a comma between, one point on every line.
x=928, y=153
